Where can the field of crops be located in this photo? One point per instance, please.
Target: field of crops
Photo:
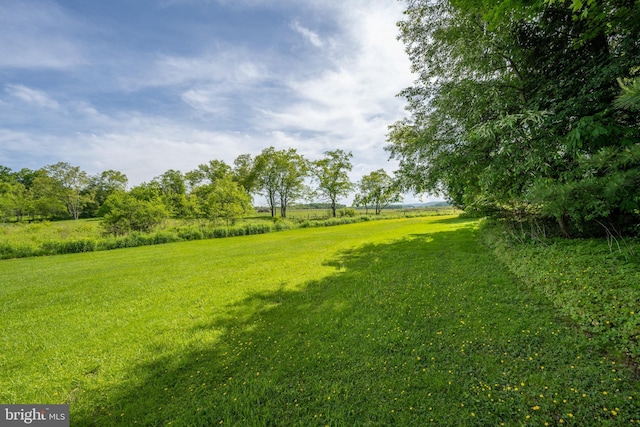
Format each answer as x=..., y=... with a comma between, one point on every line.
x=406, y=321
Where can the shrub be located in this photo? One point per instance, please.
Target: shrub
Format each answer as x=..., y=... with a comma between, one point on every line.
x=8, y=251
x=165, y=237
x=347, y=212
x=281, y=225
x=57, y=247
x=124, y=213
x=190, y=234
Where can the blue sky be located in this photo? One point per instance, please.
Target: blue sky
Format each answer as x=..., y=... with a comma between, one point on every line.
x=143, y=86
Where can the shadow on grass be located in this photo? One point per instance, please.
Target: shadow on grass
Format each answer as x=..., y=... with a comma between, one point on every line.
x=401, y=334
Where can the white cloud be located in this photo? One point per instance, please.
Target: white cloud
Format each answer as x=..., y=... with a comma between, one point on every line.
x=31, y=96
x=312, y=37
x=37, y=34
x=351, y=102
x=336, y=91
x=229, y=67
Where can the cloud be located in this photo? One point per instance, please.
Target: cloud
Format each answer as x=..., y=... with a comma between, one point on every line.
x=327, y=79
x=37, y=34
x=352, y=100
x=312, y=37
x=228, y=66
x=33, y=97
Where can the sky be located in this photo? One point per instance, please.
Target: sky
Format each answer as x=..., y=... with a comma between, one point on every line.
x=144, y=86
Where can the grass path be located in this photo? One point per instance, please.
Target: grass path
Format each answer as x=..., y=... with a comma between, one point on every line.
x=400, y=322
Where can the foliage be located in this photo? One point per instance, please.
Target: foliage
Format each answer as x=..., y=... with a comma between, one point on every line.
x=347, y=212
x=331, y=174
x=228, y=200
x=70, y=181
x=593, y=283
x=100, y=187
x=266, y=173
x=514, y=100
x=377, y=190
x=280, y=176
x=604, y=188
x=173, y=191
x=124, y=213
x=630, y=97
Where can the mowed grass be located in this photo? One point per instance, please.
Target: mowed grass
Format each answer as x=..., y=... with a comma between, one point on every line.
x=398, y=322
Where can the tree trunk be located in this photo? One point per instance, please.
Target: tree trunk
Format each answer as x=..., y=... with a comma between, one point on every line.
x=563, y=226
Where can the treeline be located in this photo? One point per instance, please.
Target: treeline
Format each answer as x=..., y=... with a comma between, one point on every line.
x=526, y=110
x=214, y=190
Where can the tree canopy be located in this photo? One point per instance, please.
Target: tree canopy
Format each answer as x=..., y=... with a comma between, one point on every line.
x=517, y=108
x=331, y=174
x=377, y=190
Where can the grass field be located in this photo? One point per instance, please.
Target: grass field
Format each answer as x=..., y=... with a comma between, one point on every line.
x=26, y=239
x=396, y=322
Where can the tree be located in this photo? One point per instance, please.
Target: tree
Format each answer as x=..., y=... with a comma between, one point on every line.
x=630, y=97
x=332, y=177
x=72, y=181
x=377, y=190
x=244, y=172
x=123, y=213
x=11, y=191
x=47, y=197
x=266, y=172
x=6, y=175
x=7, y=200
x=279, y=176
x=292, y=170
x=173, y=190
x=228, y=200
x=206, y=174
x=101, y=186
x=513, y=98
x=147, y=191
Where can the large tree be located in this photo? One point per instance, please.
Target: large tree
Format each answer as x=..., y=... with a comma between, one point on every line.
x=377, y=190
x=228, y=200
x=101, y=186
x=174, y=191
x=72, y=182
x=331, y=175
x=201, y=182
x=280, y=176
x=513, y=102
x=265, y=168
x=293, y=169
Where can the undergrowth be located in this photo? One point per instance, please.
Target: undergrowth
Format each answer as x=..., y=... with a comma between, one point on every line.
x=594, y=282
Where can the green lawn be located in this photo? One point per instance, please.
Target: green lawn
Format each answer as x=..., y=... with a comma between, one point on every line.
x=395, y=322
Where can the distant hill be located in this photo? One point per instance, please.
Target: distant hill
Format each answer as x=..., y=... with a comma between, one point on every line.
x=437, y=204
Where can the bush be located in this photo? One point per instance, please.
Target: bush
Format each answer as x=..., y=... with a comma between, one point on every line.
x=165, y=237
x=281, y=225
x=8, y=251
x=124, y=213
x=347, y=212
x=190, y=234
x=58, y=247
